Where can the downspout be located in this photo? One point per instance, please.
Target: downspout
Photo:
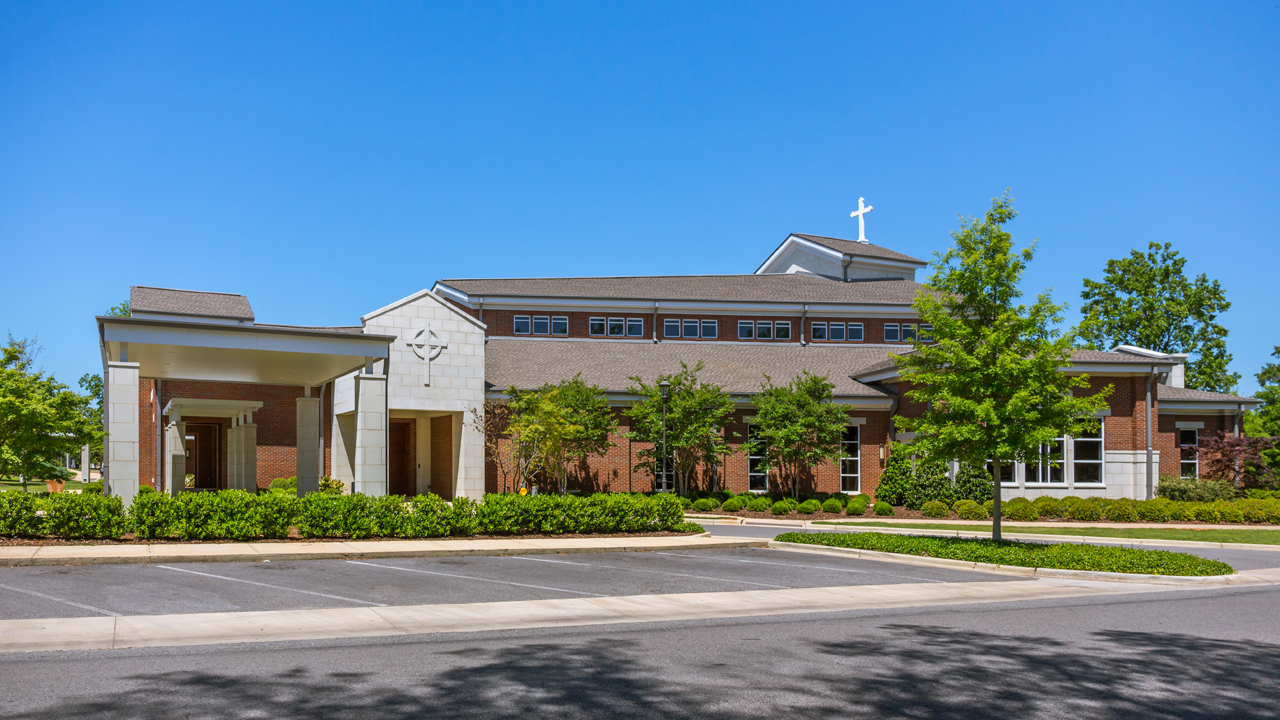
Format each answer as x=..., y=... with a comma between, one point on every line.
x=1151, y=481
x=1235, y=430
x=804, y=315
x=104, y=465
x=655, y=321
x=844, y=267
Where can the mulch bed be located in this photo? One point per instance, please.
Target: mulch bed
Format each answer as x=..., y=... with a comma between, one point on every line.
x=868, y=515
x=130, y=539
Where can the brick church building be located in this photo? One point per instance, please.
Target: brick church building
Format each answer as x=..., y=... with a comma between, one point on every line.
x=202, y=396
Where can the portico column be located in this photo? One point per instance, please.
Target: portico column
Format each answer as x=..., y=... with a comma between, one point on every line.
x=121, y=448
x=308, y=444
x=248, y=453
x=233, y=453
x=175, y=442
x=371, y=434
x=84, y=464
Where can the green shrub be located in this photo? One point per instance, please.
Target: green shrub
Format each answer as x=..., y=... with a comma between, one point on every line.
x=733, y=504
x=1194, y=490
x=685, y=503
x=275, y=514
x=809, y=507
x=935, y=509
x=782, y=507
x=1228, y=512
x=1066, y=556
x=1024, y=511
x=330, y=485
x=970, y=510
x=842, y=498
x=76, y=515
x=1048, y=506
x=723, y=496
x=883, y=508
x=18, y=514
x=1123, y=510
x=896, y=478
x=930, y=483
x=705, y=505
x=973, y=482
x=832, y=506
x=760, y=504
x=1085, y=511
x=1156, y=510
x=1260, y=510
x=290, y=484
x=857, y=505
x=688, y=527
x=157, y=515
x=93, y=488
x=1260, y=494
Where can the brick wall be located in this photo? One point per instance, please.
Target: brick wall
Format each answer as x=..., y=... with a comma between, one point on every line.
x=276, y=421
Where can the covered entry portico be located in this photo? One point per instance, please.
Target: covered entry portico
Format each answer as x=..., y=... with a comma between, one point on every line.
x=202, y=343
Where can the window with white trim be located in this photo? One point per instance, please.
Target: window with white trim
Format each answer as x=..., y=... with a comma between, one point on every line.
x=746, y=330
x=1086, y=461
x=908, y=333
x=1006, y=472
x=836, y=333
x=521, y=324
x=671, y=328
x=850, y=468
x=757, y=478
x=710, y=329
x=764, y=330
x=891, y=333
x=855, y=332
x=560, y=325
x=635, y=327
x=595, y=326
x=541, y=325
x=926, y=333
x=1188, y=450
x=1049, y=468
x=690, y=328
x=617, y=327
x=782, y=330
x=818, y=331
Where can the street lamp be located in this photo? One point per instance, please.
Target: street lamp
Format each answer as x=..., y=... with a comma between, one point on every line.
x=666, y=392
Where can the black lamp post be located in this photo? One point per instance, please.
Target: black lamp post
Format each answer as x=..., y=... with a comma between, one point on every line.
x=666, y=392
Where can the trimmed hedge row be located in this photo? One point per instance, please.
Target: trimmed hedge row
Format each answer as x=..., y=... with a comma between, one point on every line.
x=1065, y=556
x=238, y=515
x=1249, y=510
x=781, y=505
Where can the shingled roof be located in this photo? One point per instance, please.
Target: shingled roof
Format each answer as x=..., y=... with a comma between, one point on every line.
x=855, y=248
x=750, y=288
x=739, y=368
x=1167, y=392
x=189, y=302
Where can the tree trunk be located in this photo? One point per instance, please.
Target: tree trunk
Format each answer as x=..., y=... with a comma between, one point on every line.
x=995, y=501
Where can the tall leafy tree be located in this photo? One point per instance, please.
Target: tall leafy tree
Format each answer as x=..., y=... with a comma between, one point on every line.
x=799, y=426
x=592, y=421
x=40, y=418
x=697, y=413
x=559, y=424
x=1147, y=300
x=990, y=376
x=1265, y=421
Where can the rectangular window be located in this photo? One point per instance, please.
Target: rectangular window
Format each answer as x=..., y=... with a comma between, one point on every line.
x=710, y=329
x=891, y=332
x=559, y=326
x=1188, y=446
x=926, y=333
x=691, y=328
x=595, y=326
x=746, y=330
x=908, y=333
x=837, y=332
x=541, y=325
x=522, y=324
x=1087, y=463
x=617, y=327
x=757, y=478
x=1049, y=468
x=635, y=327
x=818, y=331
x=855, y=332
x=671, y=328
x=782, y=330
x=849, y=469
x=764, y=330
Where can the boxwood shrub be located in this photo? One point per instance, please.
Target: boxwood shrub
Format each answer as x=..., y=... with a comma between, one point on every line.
x=705, y=505
x=935, y=509
x=1085, y=511
x=832, y=506
x=76, y=515
x=883, y=508
x=733, y=504
x=782, y=507
x=1020, y=509
x=970, y=510
x=809, y=507
x=760, y=504
x=18, y=513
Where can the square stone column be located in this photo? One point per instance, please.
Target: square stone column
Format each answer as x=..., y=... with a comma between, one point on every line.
x=248, y=457
x=176, y=447
x=371, y=435
x=121, y=446
x=308, y=445
x=233, y=454
x=85, y=459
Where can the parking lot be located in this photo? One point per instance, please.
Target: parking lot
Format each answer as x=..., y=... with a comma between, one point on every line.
x=95, y=590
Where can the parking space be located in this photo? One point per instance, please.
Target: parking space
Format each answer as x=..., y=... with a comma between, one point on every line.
x=42, y=592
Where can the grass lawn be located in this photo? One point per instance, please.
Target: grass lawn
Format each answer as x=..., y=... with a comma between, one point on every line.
x=1063, y=556
x=1259, y=536
x=34, y=486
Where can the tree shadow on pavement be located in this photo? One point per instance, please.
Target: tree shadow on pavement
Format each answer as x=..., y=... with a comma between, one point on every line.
x=894, y=671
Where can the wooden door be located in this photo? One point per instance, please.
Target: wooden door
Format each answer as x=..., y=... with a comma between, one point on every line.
x=400, y=475
x=203, y=453
x=442, y=456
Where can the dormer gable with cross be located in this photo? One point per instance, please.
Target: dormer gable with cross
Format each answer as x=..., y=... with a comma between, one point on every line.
x=427, y=345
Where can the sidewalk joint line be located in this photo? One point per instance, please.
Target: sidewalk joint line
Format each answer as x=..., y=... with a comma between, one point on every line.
x=469, y=577
x=274, y=587
x=65, y=602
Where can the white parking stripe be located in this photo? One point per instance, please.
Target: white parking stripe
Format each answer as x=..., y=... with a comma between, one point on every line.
x=469, y=577
x=652, y=572
x=65, y=602
x=275, y=587
x=804, y=567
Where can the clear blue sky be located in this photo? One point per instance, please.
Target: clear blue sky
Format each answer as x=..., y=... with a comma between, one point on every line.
x=327, y=158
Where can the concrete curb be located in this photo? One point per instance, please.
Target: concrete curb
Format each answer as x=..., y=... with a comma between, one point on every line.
x=245, y=552
x=1080, y=539
x=1211, y=580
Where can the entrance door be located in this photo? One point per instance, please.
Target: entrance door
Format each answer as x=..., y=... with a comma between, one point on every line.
x=401, y=478
x=202, y=455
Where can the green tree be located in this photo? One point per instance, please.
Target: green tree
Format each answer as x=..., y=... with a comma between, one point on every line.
x=990, y=378
x=40, y=418
x=799, y=425
x=559, y=424
x=1147, y=300
x=121, y=310
x=91, y=384
x=1265, y=421
x=697, y=413
x=591, y=421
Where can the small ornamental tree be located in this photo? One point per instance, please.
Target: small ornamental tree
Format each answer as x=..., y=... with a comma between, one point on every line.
x=696, y=415
x=40, y=418
x=1265, y=421
x=990, y=376
x=556, y=424
x=799, y=425
x=1236, y=459
x=591, y=420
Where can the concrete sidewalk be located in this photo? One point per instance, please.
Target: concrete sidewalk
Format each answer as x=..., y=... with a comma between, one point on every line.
x=94, y=633
x=19, y=556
